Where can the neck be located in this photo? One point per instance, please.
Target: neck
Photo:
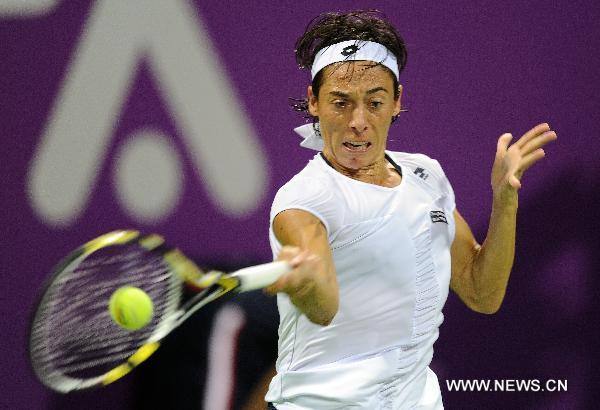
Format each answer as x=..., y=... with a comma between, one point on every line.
x=379, y=172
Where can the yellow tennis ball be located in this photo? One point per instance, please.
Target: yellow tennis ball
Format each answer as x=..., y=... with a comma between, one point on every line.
x=131, y=307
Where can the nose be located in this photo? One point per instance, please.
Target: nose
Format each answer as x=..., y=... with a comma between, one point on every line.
x=358, y=122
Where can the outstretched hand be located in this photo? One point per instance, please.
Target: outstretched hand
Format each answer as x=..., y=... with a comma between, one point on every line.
x=310, y=285
x=302, y=276
x=512, y=161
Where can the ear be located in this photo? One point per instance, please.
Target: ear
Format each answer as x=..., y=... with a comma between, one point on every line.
x=398, y=102
x=313, y=102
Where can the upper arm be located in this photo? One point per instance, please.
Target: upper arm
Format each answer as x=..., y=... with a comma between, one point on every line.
x=295, y=227
x=463, y=252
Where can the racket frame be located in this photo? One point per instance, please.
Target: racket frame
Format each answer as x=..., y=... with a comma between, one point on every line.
x=182, y=269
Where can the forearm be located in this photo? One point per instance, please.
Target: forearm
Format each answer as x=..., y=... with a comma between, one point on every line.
x=318, y=300
x=494, y=260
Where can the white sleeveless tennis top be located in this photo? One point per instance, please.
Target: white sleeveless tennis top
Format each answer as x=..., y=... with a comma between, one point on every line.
x=391, y=249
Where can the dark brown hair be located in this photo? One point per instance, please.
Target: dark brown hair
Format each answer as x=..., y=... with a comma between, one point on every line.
x=331, y=28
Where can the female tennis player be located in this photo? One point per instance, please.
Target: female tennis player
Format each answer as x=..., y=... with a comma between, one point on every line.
x=374, y=236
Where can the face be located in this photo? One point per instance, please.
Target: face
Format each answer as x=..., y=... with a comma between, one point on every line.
x=355, y=106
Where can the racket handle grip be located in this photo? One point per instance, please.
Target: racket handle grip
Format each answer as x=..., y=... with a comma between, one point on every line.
x=260, y=276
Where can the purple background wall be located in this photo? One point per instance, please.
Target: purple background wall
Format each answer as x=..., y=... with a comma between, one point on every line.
x=475, y=70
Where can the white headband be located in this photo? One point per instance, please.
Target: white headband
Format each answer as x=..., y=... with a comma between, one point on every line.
x=354, y=50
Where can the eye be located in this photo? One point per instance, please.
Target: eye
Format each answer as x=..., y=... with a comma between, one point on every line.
x=340, y=103
x=376, y=104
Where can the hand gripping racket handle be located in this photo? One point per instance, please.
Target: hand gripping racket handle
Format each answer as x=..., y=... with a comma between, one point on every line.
x=259, y=276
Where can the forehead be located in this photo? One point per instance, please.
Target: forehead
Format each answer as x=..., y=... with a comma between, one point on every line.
x=356, y=76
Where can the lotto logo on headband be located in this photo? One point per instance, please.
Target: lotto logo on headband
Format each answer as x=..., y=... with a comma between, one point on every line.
x=349, y=50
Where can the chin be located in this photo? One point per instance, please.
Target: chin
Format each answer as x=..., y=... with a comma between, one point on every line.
x=355, y=162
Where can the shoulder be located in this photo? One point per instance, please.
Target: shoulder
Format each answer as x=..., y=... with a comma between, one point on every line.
x=302, y=188
x=414, y=161
x=311, y=181
x=310, y=190
x=426, y=169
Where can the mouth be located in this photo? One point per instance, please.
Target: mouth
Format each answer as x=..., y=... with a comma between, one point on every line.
x=357, y=146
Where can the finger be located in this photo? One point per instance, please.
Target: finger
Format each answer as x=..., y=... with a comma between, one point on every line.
x=531, y=159
x=538, y=142
x=503, y=142
x=276, y=287
x=288, y=249
x=270, y=290
x=532, y=133
x=299, y=258
x=287, y=253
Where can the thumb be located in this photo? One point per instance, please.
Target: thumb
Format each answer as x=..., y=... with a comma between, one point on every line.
x=514, y=182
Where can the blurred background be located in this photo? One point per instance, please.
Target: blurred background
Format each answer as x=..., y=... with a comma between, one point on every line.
x=172, y=116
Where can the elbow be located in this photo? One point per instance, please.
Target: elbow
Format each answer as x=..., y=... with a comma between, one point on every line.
x=322, y=321
x=325, y=316
x=486, y=309
x=321, y=318
x=487, y=305
x=486, y=299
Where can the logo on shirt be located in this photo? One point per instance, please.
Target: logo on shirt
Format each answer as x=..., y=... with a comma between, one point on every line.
x=438, y=216
x=420, y=172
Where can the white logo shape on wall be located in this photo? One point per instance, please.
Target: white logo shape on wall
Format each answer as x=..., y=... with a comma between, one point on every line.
x=216, y=134
x=26, y=8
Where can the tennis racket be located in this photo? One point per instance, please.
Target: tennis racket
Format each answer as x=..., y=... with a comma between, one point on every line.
x=75, y=344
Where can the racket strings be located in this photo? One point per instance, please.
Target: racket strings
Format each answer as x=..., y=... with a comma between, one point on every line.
x=88, y=298
x=74, y=314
